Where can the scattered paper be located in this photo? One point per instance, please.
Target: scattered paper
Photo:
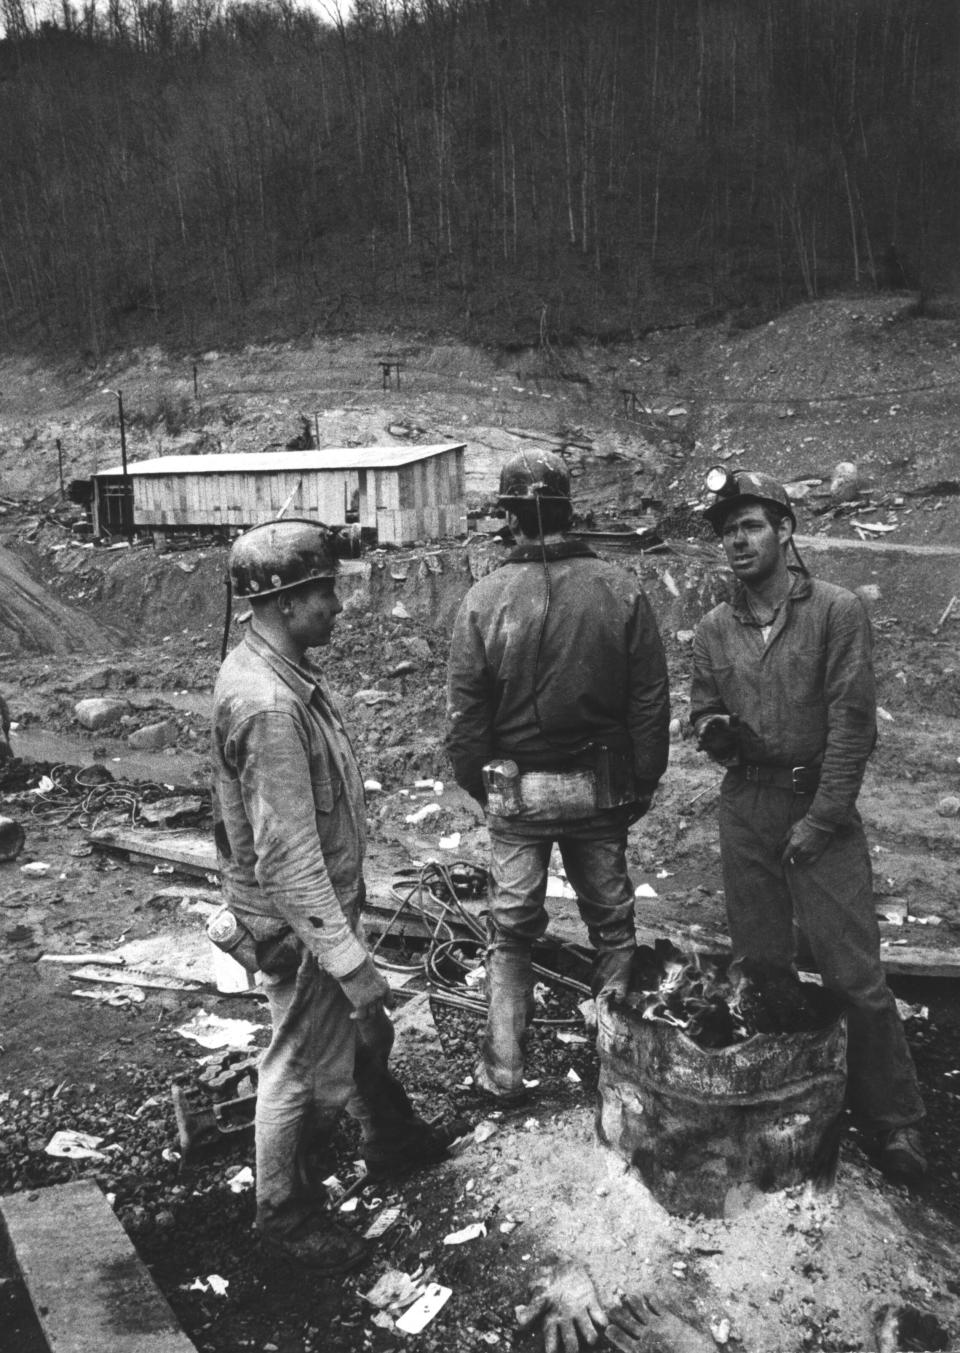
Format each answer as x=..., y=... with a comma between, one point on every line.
x=210, y=1031
x=382, y=1223
x=74, y=1146
x=241, y=1181
x=428, y=810
x=573, y=1077
x=422, y=1311
x=644, y=890
x=451, y=842
x=214, y=1283
x=114, y=996
x=471, y=1232
x=564, y=1037
x=395, y=1288
x=35, y=870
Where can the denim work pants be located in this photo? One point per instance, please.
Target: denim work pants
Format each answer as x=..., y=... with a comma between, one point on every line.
x=831, y=904
x=594, y=857
x=319, y=1062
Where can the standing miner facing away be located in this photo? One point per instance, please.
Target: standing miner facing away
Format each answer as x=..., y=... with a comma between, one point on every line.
x=558, y=724
x=783, y=697
x=290, y=826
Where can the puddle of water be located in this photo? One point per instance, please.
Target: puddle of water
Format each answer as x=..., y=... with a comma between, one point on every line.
x=178, y=768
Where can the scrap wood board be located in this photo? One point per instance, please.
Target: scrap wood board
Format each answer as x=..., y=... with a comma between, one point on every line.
x=191, y=851
x=89, y=1288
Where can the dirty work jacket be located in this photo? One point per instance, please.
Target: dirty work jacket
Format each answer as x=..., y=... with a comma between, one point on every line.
x=288, y=803
x=804, y=698
x=597, y=660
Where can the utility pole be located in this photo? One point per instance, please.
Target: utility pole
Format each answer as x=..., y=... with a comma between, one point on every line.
x=127, y=496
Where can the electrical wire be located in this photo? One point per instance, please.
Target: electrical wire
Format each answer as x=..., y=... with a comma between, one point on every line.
x=434, y=898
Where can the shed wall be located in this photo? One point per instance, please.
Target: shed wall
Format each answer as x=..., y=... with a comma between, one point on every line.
x=422, y=500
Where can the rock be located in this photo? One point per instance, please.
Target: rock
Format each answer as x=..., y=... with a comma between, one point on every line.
x=845, y=484
x=949, y=806
x=417, y=648
x=154, y=735
x=98, y=712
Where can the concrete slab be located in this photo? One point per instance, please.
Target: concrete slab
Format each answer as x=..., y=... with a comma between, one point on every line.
x=90, y=1289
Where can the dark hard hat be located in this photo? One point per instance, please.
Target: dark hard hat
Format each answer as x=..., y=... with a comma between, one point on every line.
x=533, y=474
x=280, y=554
x=745, y=486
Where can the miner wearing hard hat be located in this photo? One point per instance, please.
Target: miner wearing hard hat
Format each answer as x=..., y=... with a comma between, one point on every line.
x=558, y=724
x=289, y=821
x=783, y=697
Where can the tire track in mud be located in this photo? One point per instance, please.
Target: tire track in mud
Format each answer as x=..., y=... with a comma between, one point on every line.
x=32, y=620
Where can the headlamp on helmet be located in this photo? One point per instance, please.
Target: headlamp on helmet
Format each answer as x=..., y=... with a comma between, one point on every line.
x=730, y=488
x=278, y=555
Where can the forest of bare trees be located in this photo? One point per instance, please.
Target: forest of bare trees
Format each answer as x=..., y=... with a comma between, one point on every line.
x=194, y=172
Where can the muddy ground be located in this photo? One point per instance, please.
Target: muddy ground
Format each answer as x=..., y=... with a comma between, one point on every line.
x=858, y=380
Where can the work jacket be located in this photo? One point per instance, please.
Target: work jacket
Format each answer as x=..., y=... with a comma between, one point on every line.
x=547, y=660
x=289, y=813
x=806, y=697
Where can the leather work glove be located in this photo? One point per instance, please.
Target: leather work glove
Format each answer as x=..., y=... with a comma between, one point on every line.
x=367, y=990
x=805, y=843
x=638, y=1325
x=718, y=735
x=570, y=1309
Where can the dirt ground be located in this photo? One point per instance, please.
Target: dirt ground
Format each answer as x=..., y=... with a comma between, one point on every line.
x=850, y=380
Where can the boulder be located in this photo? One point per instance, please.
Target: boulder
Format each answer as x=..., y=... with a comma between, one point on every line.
x=98, y=712
x=154, y=736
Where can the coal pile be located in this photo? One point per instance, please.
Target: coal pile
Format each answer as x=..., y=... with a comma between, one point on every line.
x=718, y=1003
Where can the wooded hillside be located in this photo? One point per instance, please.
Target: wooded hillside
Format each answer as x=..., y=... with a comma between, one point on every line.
x=517, y=170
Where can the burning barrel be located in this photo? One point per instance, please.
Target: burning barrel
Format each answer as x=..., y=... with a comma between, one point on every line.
x=702, y=1125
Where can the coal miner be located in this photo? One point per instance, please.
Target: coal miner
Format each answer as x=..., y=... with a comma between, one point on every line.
x=783, y=697
x=290, y=823
x=558, y=724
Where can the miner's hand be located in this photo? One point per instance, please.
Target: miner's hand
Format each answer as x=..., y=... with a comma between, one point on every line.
x=718, y=736
x=570, y=1310
x=806, y=843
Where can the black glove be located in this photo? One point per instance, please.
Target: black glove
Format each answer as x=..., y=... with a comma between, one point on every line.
x=719, y=736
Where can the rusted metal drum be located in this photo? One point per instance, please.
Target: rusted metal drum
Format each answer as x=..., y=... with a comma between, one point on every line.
x=702, y=1126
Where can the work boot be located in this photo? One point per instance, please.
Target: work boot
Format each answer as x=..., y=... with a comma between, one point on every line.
x=487, y=1090
x=901, y=1156
x=414, y=1148
x=322, y=1245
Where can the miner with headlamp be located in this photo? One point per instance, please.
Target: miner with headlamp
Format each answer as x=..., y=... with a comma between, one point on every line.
x=558, y=724
x=783, y=697
x=290, y=827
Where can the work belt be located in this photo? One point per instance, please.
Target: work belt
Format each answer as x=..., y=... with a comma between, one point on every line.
x=801, y=779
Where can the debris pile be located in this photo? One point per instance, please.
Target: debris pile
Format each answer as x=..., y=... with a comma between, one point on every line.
x=717, y=1003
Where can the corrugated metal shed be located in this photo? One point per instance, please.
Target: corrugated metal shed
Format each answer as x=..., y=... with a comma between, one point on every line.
x=403, y=493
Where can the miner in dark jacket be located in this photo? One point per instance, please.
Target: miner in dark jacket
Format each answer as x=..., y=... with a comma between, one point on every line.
x=783, y=697
x=558, y=724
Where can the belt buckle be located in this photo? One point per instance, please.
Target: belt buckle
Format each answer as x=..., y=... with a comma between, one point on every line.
x=751, y=773
x=798, y=776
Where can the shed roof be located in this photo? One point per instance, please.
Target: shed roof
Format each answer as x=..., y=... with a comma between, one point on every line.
x=274, y=462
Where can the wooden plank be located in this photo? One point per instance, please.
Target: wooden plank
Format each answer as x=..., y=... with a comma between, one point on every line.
x=188, y=850
x=90, y=1289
